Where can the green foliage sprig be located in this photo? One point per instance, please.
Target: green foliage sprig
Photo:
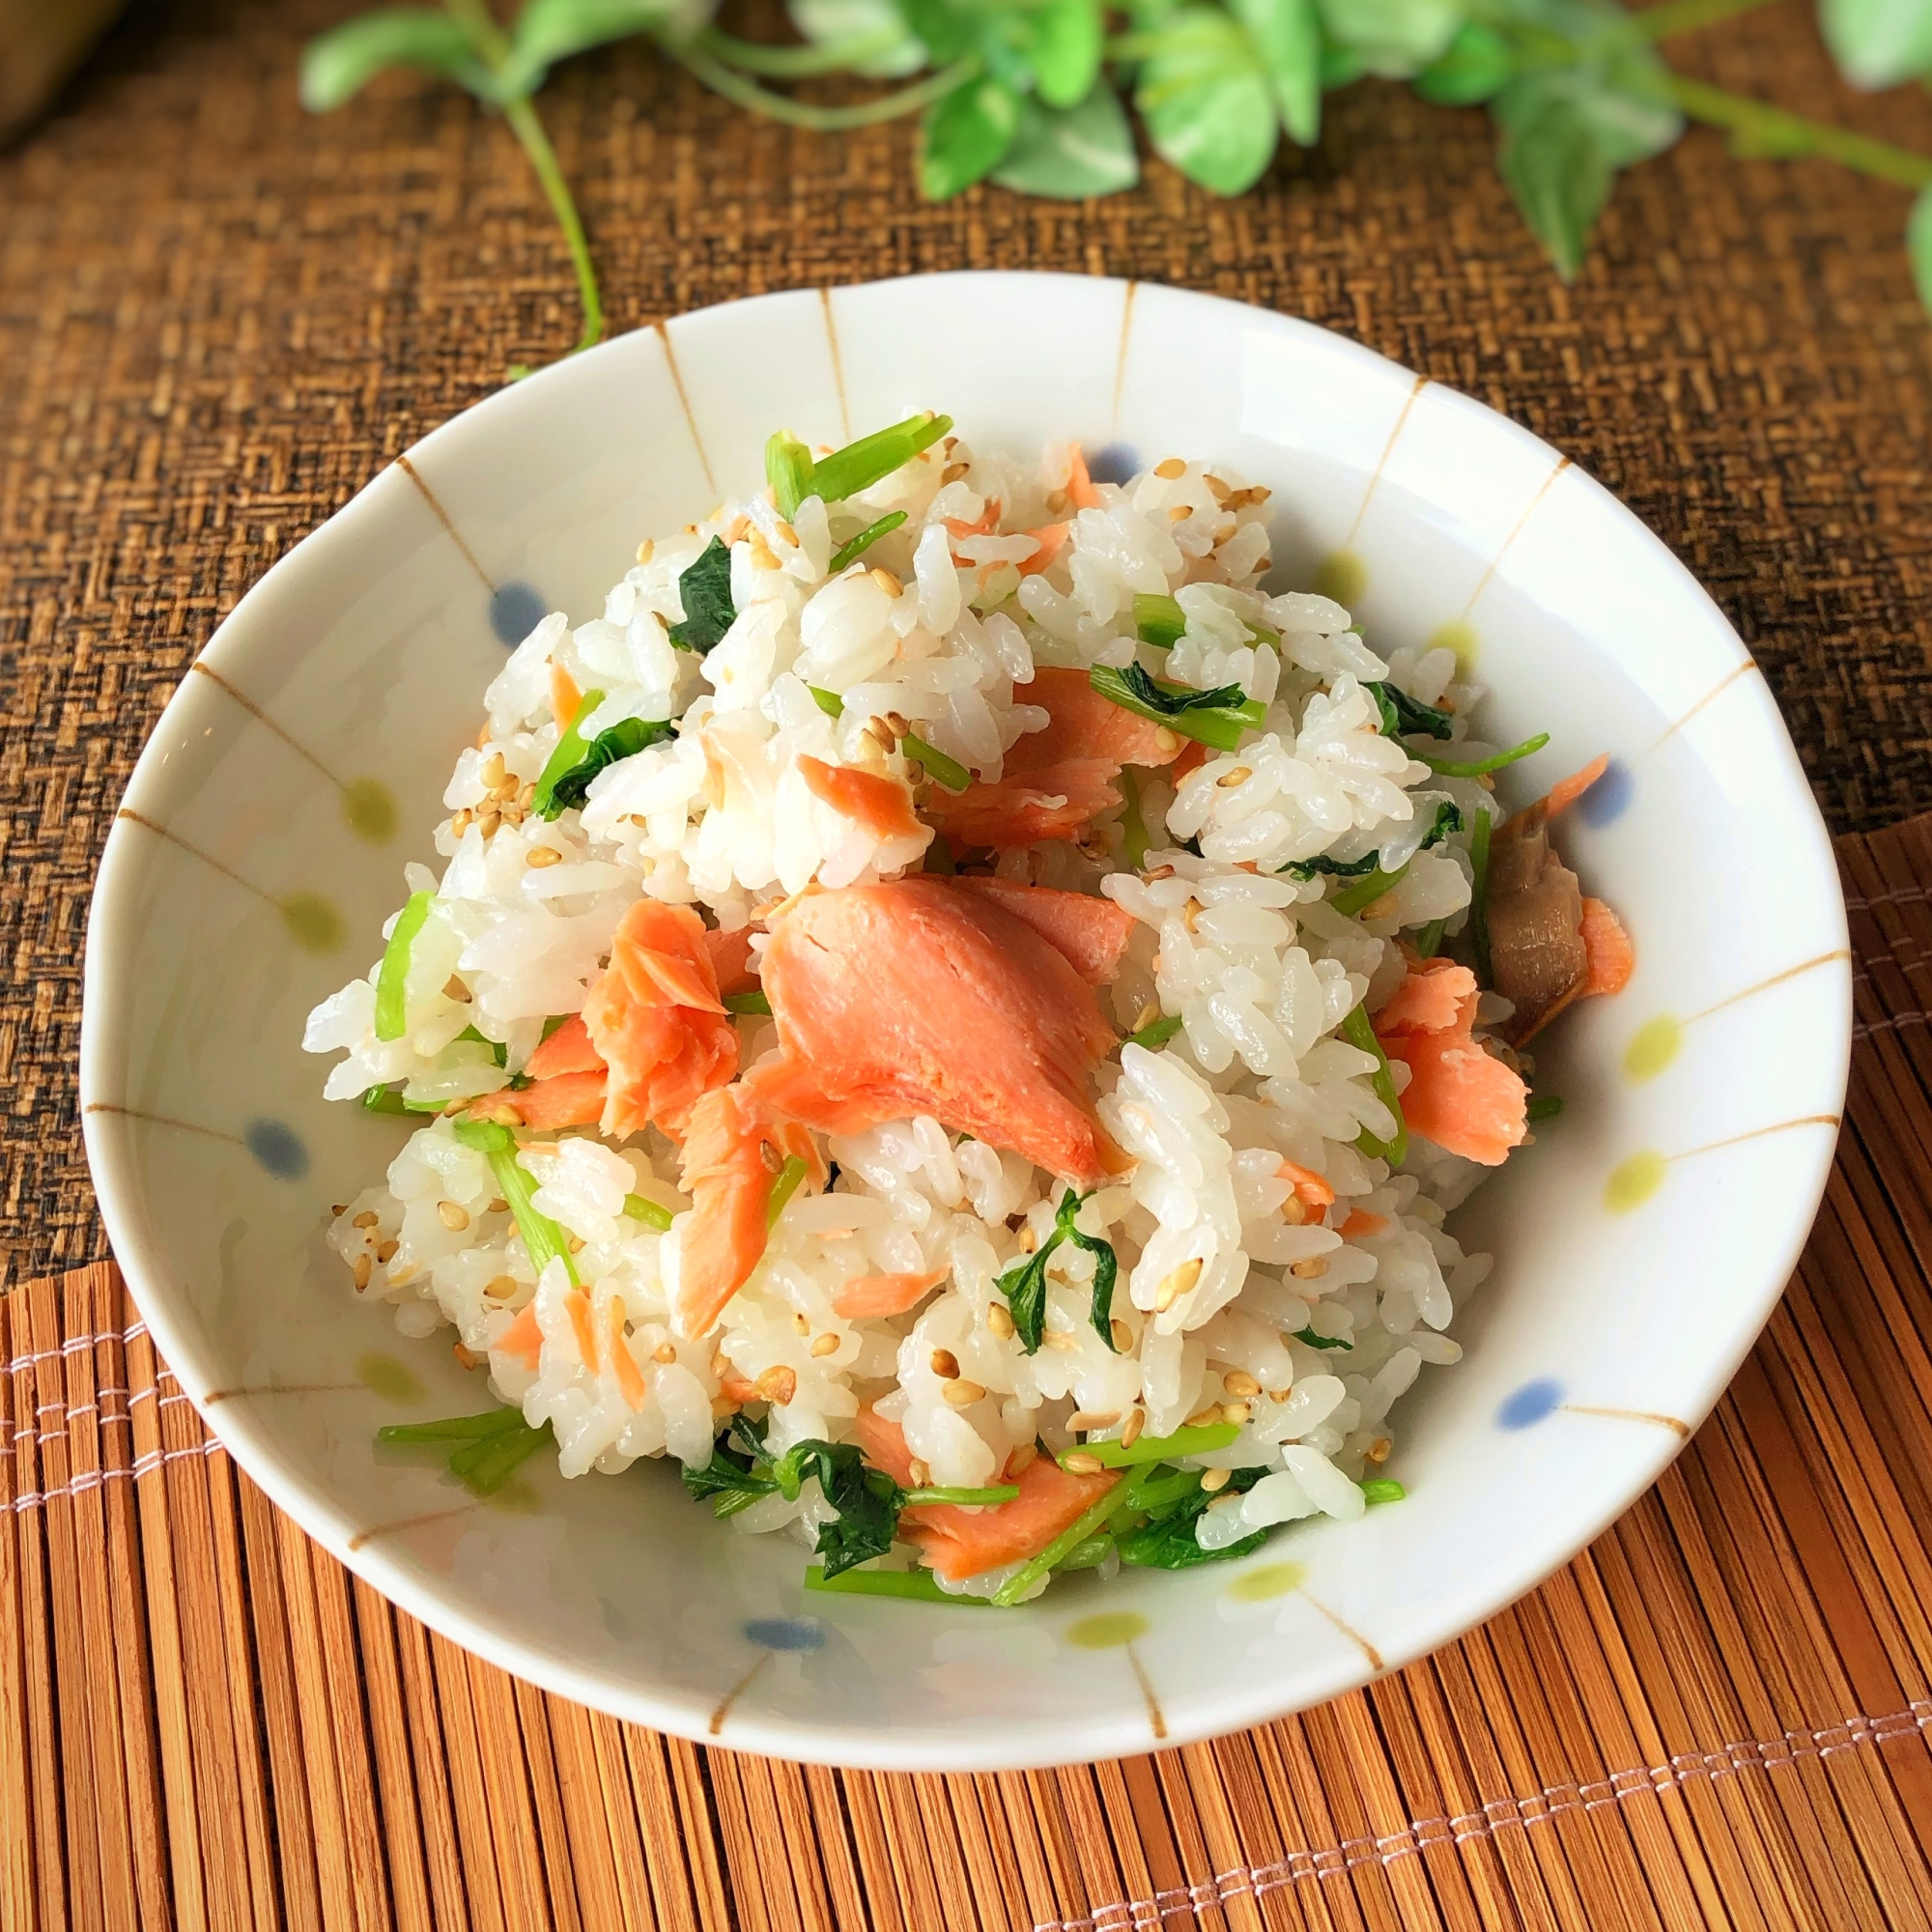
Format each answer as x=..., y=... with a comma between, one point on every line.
x=1032, y=94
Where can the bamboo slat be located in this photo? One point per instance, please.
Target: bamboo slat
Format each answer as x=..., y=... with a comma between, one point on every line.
x=1716, y=1717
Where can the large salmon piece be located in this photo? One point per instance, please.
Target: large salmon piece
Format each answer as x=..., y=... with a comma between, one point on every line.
x=924, y=996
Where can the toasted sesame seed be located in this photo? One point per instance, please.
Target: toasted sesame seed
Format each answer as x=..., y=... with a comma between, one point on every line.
x=762, y=555
x=526, y=797
x=513, y=813
x=1120, y=1335
x=1217, y=489
x=1191, y=912
x=501, y=1287
x=465, y=1357
x=921, y=1472
x=541, y=856
x=1178, y=513
x=1078, y=1462
x=772, y=1159
x=784, y=533
x=452, y=1216
x=361, y=1271
x=885, y=580
x=723, y=1406
x=1294, y=1210
x=386, y=1251
x=1279, y=1395
x=1169, y=467
x=777, y=1385
x=402, y=1277
x=1239, y=1383
x=1486, y=783
x=499, y=1205
x=460, y=824
x=340, y=1208
x=575, y=1243
x=1158, y=874
x=1000, y=1318
x=665, y=1353
x=1237, y=1412
x=1022, y=1459
x=453, y=989
x=721, y=1364
x=1165, y=740
x=1083, y=1422
x=1378, y=908
x=826, y=1344
x=944, y=1365
x=954, y=471
x=1056, y=502
x=1214, y=1481
x=801, y=1322
x=493, y=771
x=1239, y=775
x=1136, y=1421
x=487, y=822
x=1202, y=1417
x=962, y=1394
x=646, y=551
x=1378, y=1451
x=1174, y=1286
x=366, y=1219
x=1060, y=1338
x=1309, y=1269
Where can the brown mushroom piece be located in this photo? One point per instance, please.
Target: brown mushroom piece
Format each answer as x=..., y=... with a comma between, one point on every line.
x=1538, y=960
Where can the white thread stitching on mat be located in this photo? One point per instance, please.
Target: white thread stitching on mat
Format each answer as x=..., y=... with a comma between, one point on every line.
x=1904, y=896
x=91, y=1479
x=74, y=1345
x=1538, y=1809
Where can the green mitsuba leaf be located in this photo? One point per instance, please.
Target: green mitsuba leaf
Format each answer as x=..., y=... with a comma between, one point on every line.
x=1394, y=38
x=1206, y=101
x=1919, y=246
x=547, y=31
x=965, y=135
x=622, y=740
x=1475, y=67
x=1286, y=35
x=830, y=22
x=1555, y=167
x=339, y=64
x=1877, y=42
x=704, y=594
x=1066, y=52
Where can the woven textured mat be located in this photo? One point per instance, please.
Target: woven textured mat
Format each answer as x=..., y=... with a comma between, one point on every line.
x=1716, y=1717
x=218, y=318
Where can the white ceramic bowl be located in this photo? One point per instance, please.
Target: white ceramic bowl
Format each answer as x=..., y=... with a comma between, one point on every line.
x=1641, y=1243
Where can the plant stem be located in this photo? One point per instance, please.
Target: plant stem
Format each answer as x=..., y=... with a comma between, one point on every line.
x=1772, y=131
x=493, y=48
x=797, y=62
x=1685, y=16
x=529, y=130
x=734, y=86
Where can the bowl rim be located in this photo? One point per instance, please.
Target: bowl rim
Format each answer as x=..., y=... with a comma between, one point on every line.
x=687, y=1714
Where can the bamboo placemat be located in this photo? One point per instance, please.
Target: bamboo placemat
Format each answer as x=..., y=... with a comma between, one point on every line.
x=1716, y=1717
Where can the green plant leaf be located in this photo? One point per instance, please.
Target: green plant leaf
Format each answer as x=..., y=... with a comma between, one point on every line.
x=1477, y=65
x=1071, y=153
x=547, y=31
x=1555, y=167
x=1065, y=56
x=947, y=30
x=1877, y=42
x=1206, y=101
x=965, y=135
x=1286, y=35
x=1919, y=246
x=830, y=22
x=338, y=65
x=1394, y=38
